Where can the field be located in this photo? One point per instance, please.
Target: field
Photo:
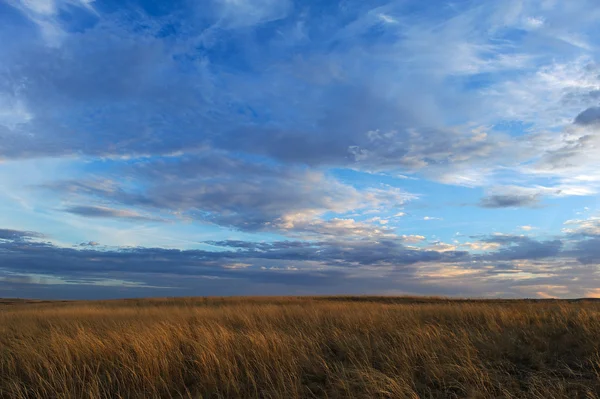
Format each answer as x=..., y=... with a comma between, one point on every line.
x=322, y=347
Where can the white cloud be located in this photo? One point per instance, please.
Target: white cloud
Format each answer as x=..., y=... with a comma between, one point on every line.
x=43, y=13
x=388, y=18
x=378, y=219
x=412, y=239
x=441, y=247
x=589, y=226
x=245, y=13
x=237, y=265
x=13, y=112
x=480, y=245
x=41, y=7
x=527, y=227
x=549, y=97
x=311, y=226
x=534, y=22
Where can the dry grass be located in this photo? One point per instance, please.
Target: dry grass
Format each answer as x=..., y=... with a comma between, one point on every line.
x=300, y=348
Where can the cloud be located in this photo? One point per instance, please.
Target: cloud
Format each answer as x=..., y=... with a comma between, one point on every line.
x=446, y=155
x=594, y=293
x=186, y=79
x=412, y=239
x=18, y=235
x=590, y=116
x=509, y=201
x=332, y=263
x=229, y=191
x=105, y=212
x=522, y=247
x=46, y=15
x=383, y=252
x=309, y=263
x=480, y=246
x=516, y=197
x=309, y=227
x=442, y=246
x=390, y=132
x=584, y=227
x=587, y=251
x=549, y=95
x=572, y=157
x=89, y=244
x=234, y=14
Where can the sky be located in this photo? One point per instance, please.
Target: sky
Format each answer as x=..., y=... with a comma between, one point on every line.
x=278, y=147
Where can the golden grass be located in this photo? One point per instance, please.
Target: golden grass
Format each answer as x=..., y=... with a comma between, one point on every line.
x=300, y=348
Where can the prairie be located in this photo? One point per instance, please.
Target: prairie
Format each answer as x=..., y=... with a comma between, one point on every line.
x=300, y=347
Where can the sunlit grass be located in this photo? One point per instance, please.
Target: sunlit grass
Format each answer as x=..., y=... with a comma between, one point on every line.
x=300, y=348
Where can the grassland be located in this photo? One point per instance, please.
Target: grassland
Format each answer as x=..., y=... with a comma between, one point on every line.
x=300, y=348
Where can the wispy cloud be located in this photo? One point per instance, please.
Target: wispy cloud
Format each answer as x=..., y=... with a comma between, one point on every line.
x=106, y=212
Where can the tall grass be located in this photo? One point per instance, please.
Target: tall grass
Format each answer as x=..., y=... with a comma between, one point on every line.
x=300, y=348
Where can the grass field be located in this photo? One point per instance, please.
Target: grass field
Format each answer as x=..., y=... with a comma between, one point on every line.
x=329, y=347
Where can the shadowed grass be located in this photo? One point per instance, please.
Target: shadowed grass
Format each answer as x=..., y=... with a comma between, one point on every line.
x=330, y=347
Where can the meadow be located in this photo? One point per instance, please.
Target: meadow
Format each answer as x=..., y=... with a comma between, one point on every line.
x=300, y=347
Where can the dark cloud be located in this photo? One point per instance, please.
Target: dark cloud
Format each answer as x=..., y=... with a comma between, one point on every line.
x=89, y=244
x=587, y=250
x=522, y=248
x=283, y=262
x=291, y=146
x=314, y=266
x=364, y=252
x=329, y=135
x=590, y=116
x=260, y=246
x=18, y=235
x=510, y=200
x=244, y=259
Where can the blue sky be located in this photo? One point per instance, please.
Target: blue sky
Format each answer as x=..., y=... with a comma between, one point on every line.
x=246, y=147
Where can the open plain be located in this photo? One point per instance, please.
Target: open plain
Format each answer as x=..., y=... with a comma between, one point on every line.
x=300, y=347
